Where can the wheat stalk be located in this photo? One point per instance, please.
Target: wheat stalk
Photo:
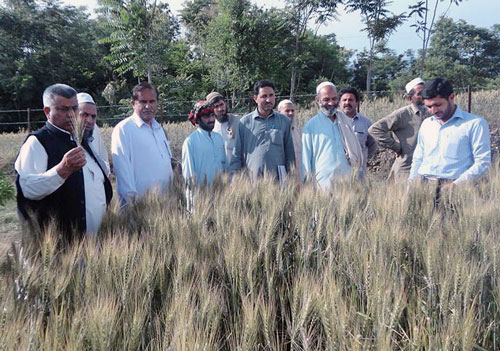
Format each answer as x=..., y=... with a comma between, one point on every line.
x=78, y=127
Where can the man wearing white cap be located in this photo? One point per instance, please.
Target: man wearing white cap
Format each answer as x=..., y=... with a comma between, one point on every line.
x=398, y=131
x=87, y=109
x=330, y=149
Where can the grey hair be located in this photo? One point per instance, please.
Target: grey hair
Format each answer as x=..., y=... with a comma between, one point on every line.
x=57, y=89
x=324, y=84
x=283, y=103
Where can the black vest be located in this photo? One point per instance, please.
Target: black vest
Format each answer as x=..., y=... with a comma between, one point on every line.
x=67, y=204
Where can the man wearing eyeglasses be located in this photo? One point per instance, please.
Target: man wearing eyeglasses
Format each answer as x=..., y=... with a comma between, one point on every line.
x=57, y=179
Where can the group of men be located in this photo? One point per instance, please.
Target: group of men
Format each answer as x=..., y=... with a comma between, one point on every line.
x=433, y=139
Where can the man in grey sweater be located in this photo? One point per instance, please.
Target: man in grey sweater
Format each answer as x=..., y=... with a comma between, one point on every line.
x=399, y=130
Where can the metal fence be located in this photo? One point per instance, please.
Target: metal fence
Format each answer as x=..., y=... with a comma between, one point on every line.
x=168, y=111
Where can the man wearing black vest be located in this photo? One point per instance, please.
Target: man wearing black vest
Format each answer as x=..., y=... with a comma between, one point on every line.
x=56, y=179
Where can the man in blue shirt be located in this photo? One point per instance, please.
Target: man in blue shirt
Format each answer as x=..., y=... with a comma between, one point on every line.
x=203, y=154
x=453, y=146
x=263, y=141
x=330, y=149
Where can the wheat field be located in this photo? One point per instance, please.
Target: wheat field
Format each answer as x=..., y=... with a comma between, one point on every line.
x=268, y=267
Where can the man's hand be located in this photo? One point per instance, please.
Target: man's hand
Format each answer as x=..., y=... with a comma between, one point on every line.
x=72, y=161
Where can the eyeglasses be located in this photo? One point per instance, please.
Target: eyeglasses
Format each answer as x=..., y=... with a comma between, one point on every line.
x=66, y=109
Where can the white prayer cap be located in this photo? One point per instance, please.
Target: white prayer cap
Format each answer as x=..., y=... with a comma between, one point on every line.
x=283, y=103
x=413, y=84
x=324, y=84
x=84, y=97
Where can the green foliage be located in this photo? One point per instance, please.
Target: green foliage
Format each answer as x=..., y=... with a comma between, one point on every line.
x=6, y=190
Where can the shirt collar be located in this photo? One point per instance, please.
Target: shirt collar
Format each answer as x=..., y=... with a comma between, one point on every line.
x=203, y=131
x=139, y=122
x=255, y=114
x=458, y=114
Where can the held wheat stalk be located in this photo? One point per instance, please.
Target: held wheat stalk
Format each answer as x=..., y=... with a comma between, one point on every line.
x=78, y=127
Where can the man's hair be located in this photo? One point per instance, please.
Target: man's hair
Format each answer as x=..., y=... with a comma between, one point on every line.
x=262, y=84
x=323, y=85
x=143, y=86
x=437, y=87
x=283, y=103
x=349, y=90
x=57, y=89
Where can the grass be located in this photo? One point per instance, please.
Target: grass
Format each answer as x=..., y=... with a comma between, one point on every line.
x=263, y=267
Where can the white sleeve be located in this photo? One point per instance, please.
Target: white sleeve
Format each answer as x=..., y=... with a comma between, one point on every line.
x=100, y=147
x=35, y=180
x=122, y=165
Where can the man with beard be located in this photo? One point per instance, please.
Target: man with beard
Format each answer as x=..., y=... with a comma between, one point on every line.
x=57, y=178
x=88, y=111
x=203, y=155
x=140, y=148
x=330, y=149
x=349, y=101
x=226, y=124
x=453, y=146
x=263, y=142
x=398, y=131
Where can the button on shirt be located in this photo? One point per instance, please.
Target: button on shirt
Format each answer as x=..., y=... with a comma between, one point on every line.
x=203, y=156
x=459, y=149
x=141, y=157
x=263, y=144
x=37, y=181
x=323, y=155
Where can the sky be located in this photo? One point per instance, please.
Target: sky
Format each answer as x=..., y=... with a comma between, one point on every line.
x=481, y=13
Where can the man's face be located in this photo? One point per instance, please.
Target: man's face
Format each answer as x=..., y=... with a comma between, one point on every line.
x=327, y=99
x=265, y=101
x=440, y=107
x=219, y=108
x=417, y=95
x=146, y=105
x=288, y=110
x=60, y=112
x=88, y=112
x=207, y=121
x=348, y=104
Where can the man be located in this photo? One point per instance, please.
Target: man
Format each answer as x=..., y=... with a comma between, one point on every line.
x=453, y=146
x=264, y=143
x=88, y=111
x=56, y=179
x=226, y=124
x=203, y=155
x=349, y=102
x=287, y=108
x=330, y=148
x=399, y=130
x=140, y=149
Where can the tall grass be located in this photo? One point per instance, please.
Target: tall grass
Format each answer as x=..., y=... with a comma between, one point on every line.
x=258, y=266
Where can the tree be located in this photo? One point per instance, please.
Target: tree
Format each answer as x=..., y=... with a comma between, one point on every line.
x=424, y=23
x=141, y=32
x=379, y=24
x=302, y=12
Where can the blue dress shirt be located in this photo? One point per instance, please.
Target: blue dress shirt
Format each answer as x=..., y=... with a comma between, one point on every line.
x=459, y=149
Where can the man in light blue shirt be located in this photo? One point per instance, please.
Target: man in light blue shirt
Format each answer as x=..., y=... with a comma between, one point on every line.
x=203, y=154
x=330, y=149
x=453, y=146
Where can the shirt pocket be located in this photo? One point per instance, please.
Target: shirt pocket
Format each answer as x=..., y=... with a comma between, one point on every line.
x=456, y=146
x=276, y=137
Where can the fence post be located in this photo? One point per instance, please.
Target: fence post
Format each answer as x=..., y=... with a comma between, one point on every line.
x=28, y=113
x=469, y=98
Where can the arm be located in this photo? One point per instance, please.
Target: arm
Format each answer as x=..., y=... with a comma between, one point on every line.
x=418, y=156
x=382, y=130
x=188, y=171
x=237, y=157
x=122, y=165
x=481, y=151
x=289, y=150
x=100, y=147
x=35, y=180
x=306, y=169
x=371, y=143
